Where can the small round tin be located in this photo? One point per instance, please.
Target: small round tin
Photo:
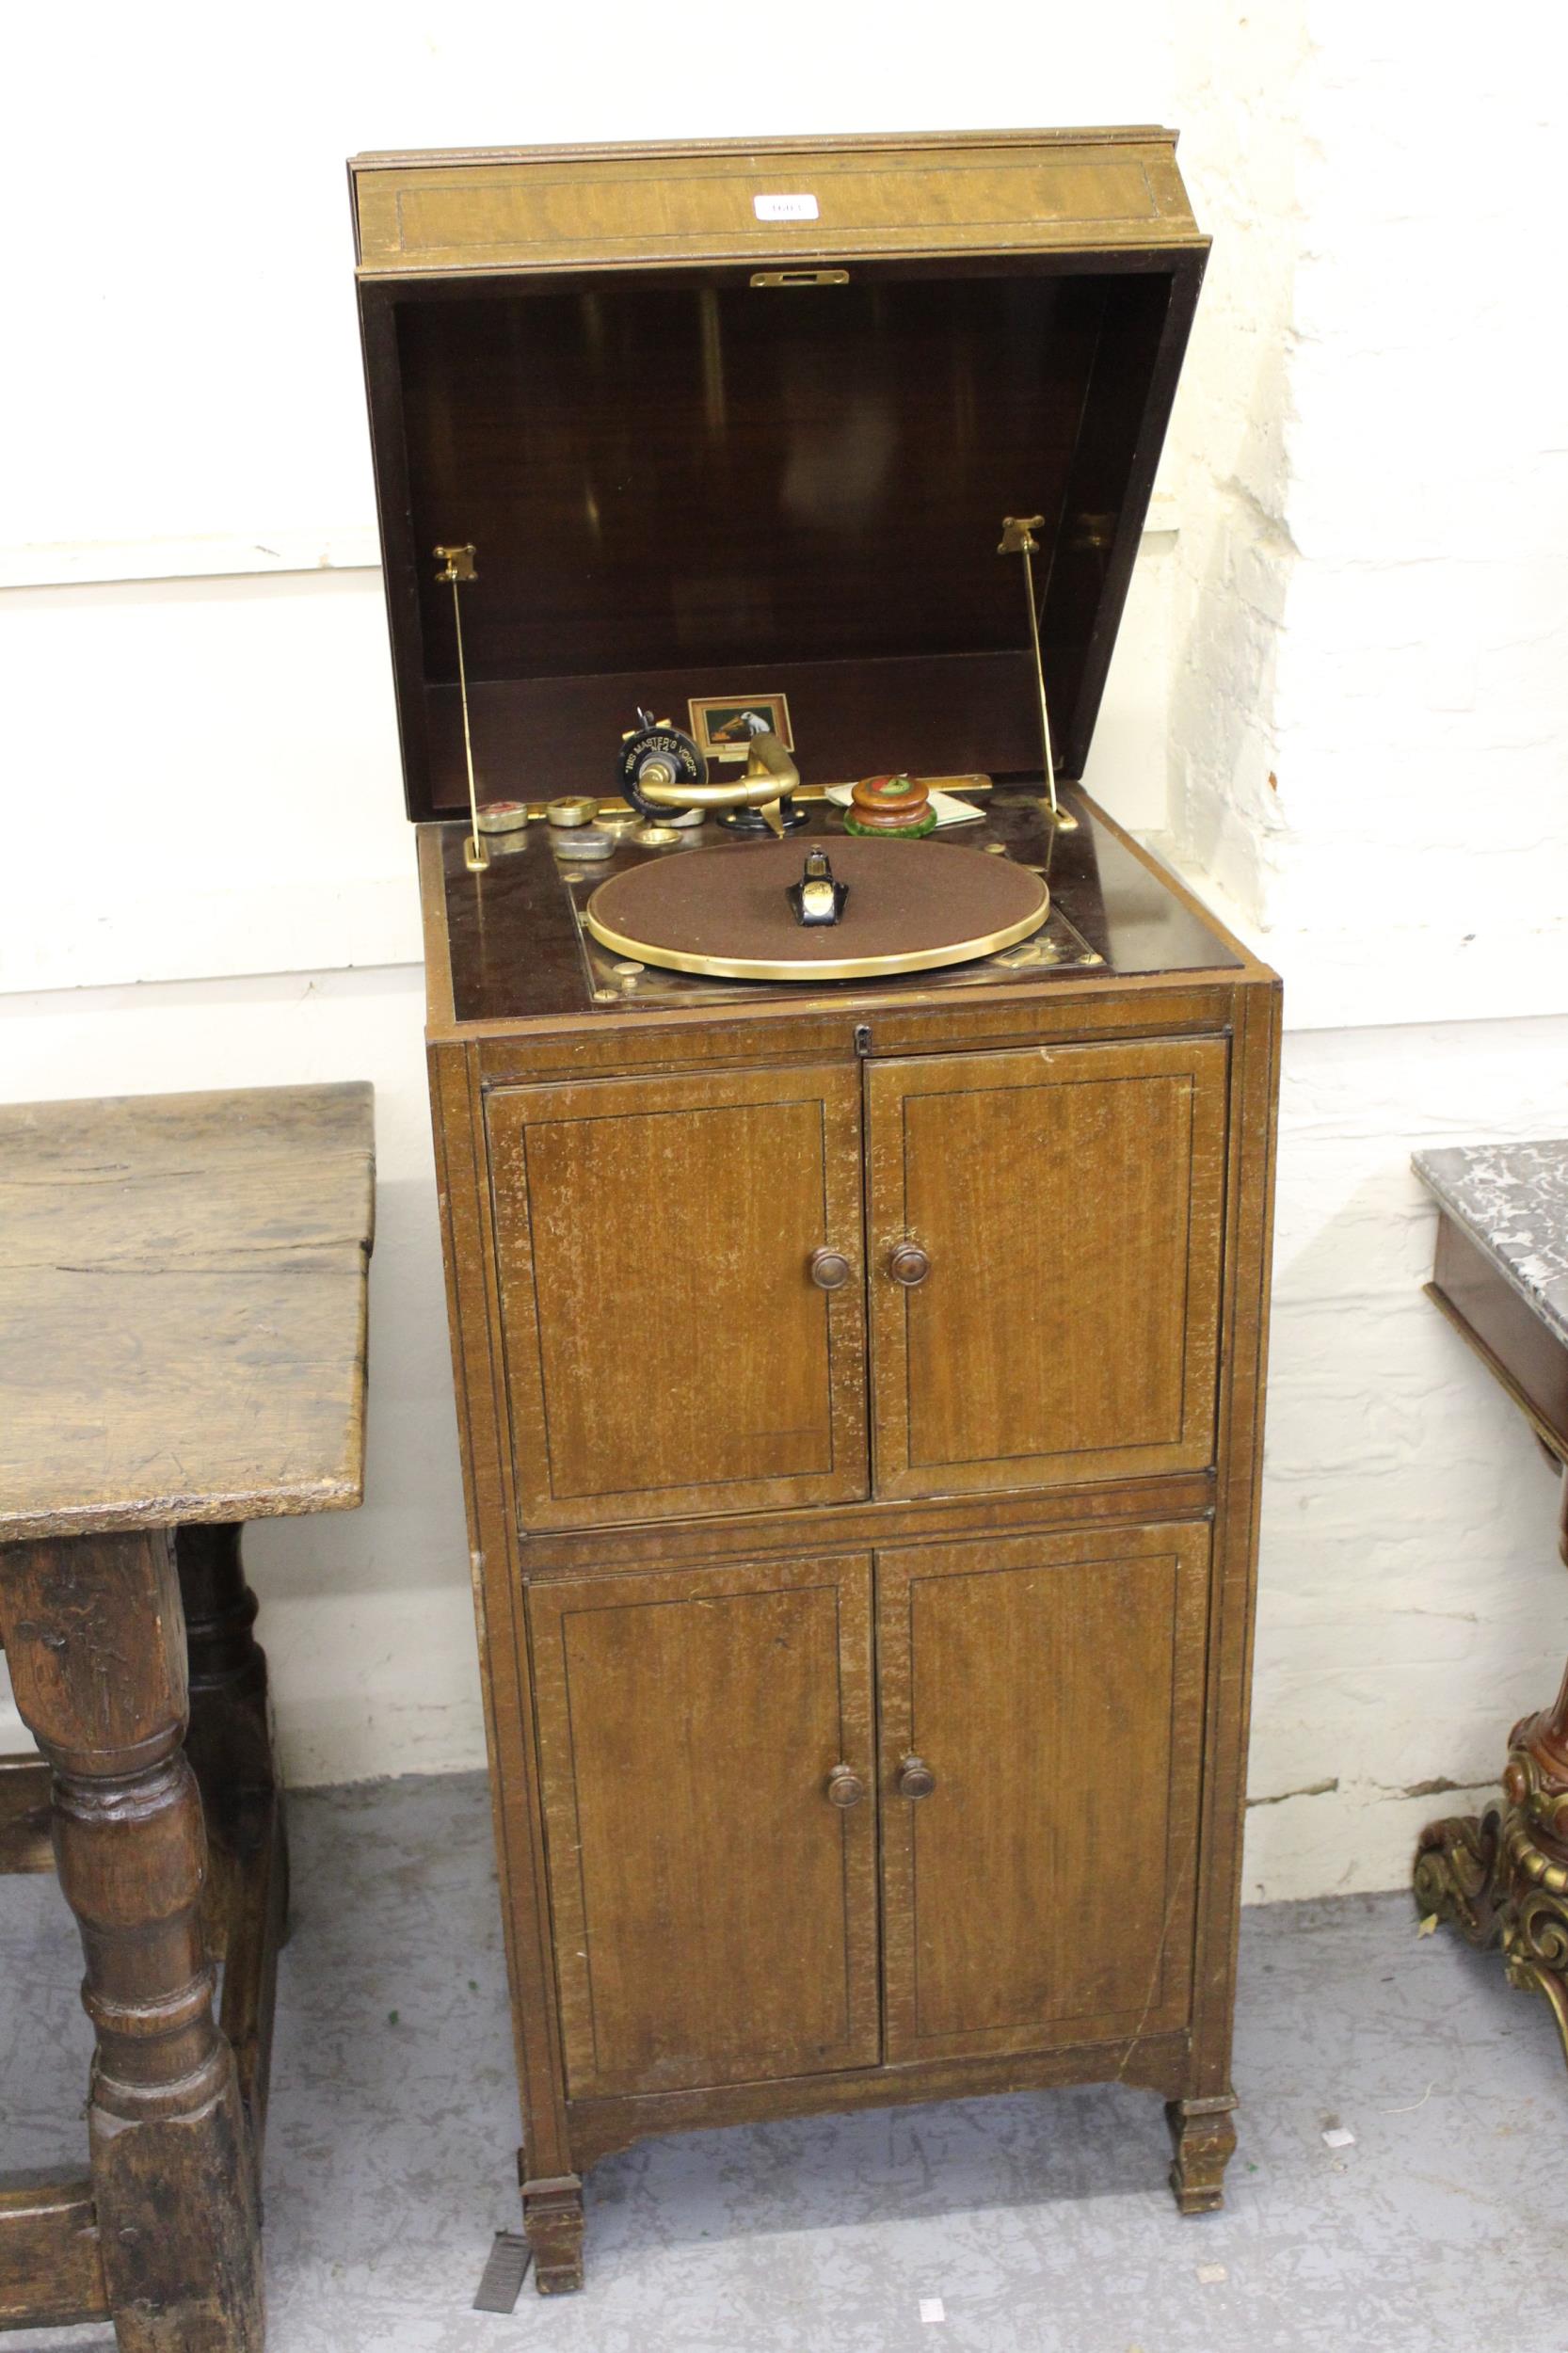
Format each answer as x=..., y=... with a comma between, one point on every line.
x=503, y=816
x=571, y=811
x=584, y=841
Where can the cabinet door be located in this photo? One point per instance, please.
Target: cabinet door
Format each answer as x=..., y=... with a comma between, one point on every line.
x=713, y=1899
x=667, y=1350
x=1041, y=1891
x=1068, y=1204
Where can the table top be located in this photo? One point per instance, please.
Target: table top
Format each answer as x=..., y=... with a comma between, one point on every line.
x=1511, y=1199
x=182, y=1283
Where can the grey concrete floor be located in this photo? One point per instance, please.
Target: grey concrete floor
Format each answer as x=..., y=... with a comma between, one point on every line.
x=1041, y=2222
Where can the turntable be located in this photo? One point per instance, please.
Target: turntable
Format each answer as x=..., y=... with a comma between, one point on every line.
x=854, y=1152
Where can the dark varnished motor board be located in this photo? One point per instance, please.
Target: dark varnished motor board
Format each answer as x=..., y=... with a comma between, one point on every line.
x=860, y=1384
x=514, y=947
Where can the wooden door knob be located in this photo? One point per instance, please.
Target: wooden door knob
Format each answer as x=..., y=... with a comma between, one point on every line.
x=829, y=1269
x=844, y=1787
x=909, y=1265
x=916, y=1780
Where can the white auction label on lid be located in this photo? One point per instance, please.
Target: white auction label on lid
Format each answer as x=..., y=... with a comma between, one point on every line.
x=784, y=207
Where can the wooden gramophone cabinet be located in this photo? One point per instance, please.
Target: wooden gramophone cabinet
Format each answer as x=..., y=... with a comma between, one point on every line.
x=860, y=1386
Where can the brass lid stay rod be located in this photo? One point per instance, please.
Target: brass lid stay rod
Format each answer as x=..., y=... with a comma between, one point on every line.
x=1018, y=538
x=458, y=569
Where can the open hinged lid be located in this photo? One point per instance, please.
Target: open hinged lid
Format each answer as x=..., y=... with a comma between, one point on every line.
x=735, y=420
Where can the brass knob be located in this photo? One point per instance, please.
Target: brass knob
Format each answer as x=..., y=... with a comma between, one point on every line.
x=909, y=1265
x=828, y=1269
x=916, y=1780
x=844, y=1787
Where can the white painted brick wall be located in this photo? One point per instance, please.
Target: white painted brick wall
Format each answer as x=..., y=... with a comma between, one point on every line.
x=1371, y=749
x=1369, y=760
x=1411, y=1604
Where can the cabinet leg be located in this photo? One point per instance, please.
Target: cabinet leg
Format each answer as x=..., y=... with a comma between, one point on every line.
x=552, y=2219
x=95, y=1637
x=1204, y=2138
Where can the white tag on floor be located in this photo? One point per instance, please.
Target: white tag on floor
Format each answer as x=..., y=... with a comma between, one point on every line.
x=933, y=2307
x=1338, y=2139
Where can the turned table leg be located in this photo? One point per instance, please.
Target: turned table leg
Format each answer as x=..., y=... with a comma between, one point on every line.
x=229, y=1740
x=94, y=1632
x=1503, y=1878
x=229, y=1744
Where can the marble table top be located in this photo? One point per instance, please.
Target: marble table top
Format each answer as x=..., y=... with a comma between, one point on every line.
x=1512, y=1200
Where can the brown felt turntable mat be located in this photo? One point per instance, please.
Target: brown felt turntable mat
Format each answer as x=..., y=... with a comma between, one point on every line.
x=912, y=907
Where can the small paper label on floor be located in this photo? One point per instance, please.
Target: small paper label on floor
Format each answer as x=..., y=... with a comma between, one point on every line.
x=1211, y=2273
x=1338, y=2139
x=933, y=2307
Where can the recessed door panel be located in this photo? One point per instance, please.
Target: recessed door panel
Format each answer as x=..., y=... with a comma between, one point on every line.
x=712, y=1896
x=1041, y=1704
x=1044, y=1263
x=667, y=1347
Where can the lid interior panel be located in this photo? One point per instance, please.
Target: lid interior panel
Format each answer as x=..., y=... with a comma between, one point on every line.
x=698, y=486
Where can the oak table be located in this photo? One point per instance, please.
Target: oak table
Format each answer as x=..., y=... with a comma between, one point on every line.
x=182, y=1348
x=1501, y=1278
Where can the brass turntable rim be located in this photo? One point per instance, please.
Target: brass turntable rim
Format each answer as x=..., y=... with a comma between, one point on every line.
x=886, y=964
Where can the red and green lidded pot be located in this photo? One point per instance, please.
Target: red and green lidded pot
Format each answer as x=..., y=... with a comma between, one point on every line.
x=899, y=805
